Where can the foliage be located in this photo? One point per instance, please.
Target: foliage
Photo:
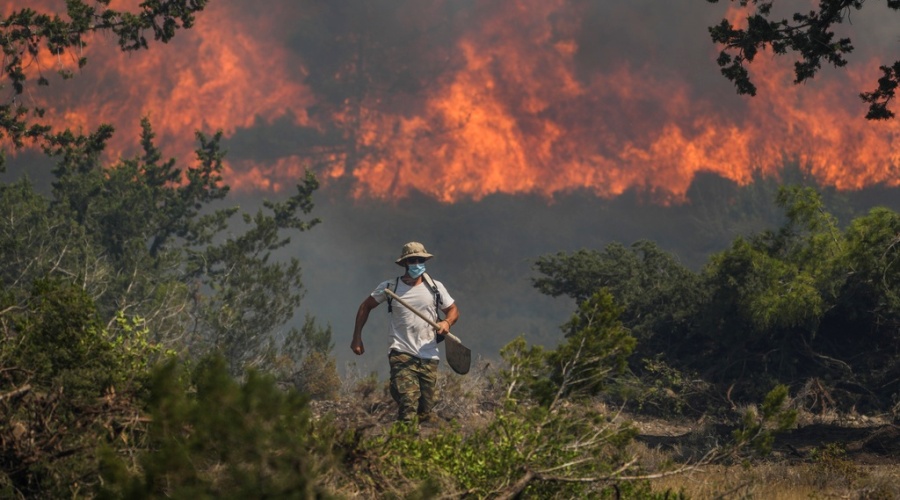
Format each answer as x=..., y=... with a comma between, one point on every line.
x=122, y=266
x=233, y=439
x=524, y=372
x=143, y=236
x=871, y=291
x=810, y=35
x=118, y=267
x=770, y=293
x=656, y=293
x=805, y=301
x=36, y=241
x=596, y=346
x=831, y=459
x=65, y=387
x=26, y=33
x=661, y=390
x=758, y=428
x=76, y=388
x=306, y=364
x=522, y=449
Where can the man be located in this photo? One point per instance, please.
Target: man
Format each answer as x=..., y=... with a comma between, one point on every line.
x=414, y=343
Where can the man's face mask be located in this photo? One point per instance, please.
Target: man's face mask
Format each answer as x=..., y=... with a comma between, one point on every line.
x=415, y=269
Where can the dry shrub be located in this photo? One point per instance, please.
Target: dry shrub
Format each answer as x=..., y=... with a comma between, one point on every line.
x=464, y=397
x=318, y=376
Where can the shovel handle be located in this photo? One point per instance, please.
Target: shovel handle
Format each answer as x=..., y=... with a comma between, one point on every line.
x=390, y=293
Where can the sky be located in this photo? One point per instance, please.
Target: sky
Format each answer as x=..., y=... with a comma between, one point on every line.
x=492, y=131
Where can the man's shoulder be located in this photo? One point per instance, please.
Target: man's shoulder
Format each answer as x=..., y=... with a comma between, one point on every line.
x=388, y=283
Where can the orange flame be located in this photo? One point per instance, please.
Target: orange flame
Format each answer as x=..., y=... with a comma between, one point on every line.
x=517, y=115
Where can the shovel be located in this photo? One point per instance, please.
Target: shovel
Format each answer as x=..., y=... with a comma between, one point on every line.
x=459, y=357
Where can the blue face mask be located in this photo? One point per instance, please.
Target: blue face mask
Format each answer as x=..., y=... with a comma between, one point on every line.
x=415, y=270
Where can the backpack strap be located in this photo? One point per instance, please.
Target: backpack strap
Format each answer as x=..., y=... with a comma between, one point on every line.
x=437, y=301
x=389, y=300
x=434, y=290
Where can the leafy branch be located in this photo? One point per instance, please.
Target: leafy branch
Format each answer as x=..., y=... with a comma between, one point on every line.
x=811, y=36
x=25, y=33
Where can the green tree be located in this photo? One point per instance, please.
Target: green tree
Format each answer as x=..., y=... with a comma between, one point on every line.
x=596, y=346
x=306, y=363
x=36, y=241
x=804, y=301
x=809, y=35
x=146, y=238
x=769, y=294
x=25, y=33
x=862, y=328
x=659, y=296
x=252, y=295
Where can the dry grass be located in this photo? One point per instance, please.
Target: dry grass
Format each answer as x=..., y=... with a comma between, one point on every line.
x=827, y=456
x=783, y=481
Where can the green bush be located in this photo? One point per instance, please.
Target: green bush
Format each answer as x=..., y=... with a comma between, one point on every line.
x=71, y=390
x=211, y=436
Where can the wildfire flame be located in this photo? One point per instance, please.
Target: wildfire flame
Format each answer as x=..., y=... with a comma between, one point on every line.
x=516, y=113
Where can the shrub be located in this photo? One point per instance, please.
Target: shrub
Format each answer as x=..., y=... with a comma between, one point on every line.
x=217, y=437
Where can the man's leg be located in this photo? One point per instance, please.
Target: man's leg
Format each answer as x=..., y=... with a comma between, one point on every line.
x=427, y=388
x=404, y=384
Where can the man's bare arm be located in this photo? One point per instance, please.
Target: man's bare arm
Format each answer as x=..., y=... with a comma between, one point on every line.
x=362, y=315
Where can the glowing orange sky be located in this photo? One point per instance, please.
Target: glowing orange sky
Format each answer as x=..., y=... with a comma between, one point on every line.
x=515, y=113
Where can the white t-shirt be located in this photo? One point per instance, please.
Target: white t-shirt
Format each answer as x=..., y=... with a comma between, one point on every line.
x=410, y=333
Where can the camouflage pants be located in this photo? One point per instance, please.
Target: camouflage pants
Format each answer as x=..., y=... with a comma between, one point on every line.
x=413, y=383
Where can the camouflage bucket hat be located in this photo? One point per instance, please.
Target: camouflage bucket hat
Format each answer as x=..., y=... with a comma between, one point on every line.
x=412, y=249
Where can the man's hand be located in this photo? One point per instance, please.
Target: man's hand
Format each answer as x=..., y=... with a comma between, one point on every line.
x=444, y=327
x=357, y=347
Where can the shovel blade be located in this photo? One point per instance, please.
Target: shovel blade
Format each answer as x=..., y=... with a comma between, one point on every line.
x=459, y=357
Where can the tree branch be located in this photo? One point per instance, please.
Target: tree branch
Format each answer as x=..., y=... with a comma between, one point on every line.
x=15, y=392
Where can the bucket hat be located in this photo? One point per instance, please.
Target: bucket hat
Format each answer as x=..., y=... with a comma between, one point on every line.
x=412, y=249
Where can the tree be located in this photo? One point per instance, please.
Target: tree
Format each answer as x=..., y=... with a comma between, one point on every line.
x=306, y=363
x=26, y=32
x=657, y=293
x=769, y=294
x=868, y=305
x=142, y=237
x=111, y=267
x=811, y=36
